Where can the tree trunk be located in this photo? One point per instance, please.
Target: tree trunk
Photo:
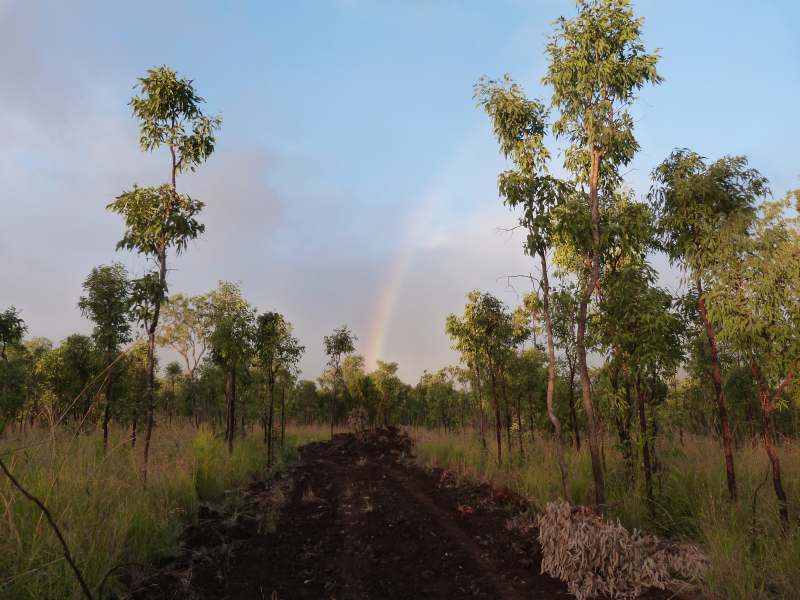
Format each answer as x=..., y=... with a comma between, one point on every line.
x=283, y=417
x=573, y=414
x=270, y=418
x=645, y=445
x=766, y=398
x=716, y=378
x=498, y=425
x=507, y=409
x=107, y=411
x=588, y=406
x=150, y=395
x=230, y=406
x=551, y=380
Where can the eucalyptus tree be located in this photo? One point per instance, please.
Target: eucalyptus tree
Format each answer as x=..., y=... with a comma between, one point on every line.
x=340, y=343
x=466, y=342
x=703, y=209
x=12, y=330
x=277, y=350
x=185, y=327
x=231, y=341
x=107, y=303
x=520, y=125
x=485, y=333
x=598, y=63
x=388, y=386
x=755, y=302
x=158, y=219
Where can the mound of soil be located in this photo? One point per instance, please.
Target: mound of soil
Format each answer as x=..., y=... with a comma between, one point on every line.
x=356, y=519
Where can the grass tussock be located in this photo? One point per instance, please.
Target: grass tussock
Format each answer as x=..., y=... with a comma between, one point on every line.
x=107, y=515
x=749, y=558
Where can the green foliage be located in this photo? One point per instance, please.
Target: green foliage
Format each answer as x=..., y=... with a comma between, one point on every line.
x=168, y=110
x=233, y=322
x=107, y=303
x=157, y=218
x=702, y=208
x=598, y=63
x=12, y=328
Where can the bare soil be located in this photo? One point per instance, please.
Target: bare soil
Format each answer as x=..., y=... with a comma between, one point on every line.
x=356, y=519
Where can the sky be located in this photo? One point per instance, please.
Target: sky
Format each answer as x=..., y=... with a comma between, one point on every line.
x=354, y=180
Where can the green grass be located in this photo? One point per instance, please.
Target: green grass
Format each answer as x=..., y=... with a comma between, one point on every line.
x=746, y=562
x=107, y=515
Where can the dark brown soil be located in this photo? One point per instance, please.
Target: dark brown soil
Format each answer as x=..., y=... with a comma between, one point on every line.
x=359, y=520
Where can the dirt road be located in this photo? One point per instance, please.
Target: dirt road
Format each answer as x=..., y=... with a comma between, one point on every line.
x=361, y=521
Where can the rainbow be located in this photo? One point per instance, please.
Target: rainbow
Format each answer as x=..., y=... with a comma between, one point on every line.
x=418, y=224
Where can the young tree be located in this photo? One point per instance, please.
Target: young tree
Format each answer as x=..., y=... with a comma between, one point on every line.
x=485, y=334
x=159, y=218
x=107, y=303
x=231, y=342
x=277, y=350
x=702, y=209
x=340, y=343
x=755, y=302
x=388, y=385
x=520, y=126
x=564, y=315
x=597, y=65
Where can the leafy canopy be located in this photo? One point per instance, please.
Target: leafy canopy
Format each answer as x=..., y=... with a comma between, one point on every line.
x=168, y=109
x=107, y=302
x=598, y=63
x=157, y=218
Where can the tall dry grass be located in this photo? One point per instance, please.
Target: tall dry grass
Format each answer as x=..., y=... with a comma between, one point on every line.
x=106, y=513
x=749, y=557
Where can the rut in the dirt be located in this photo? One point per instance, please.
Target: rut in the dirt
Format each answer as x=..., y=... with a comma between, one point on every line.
x=362, y=521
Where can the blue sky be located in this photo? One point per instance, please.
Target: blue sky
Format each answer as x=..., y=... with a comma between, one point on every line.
x=350, y=139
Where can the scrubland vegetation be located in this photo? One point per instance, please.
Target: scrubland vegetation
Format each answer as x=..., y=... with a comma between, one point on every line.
x=676, y=411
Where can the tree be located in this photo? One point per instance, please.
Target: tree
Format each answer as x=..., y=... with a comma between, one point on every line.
x=340, y=343
x=388, y=385
x=597, y=64
x=185, y=327
x=159, y=218
x=107, y=302
x=755, y=303
x=233, y=322
x=12, y=330
x=277, y=350
x=701, y=210
x=520, y=126
x=485, y=334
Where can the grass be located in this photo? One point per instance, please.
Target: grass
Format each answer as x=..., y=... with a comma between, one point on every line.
x=749, y=558
x=107, y=515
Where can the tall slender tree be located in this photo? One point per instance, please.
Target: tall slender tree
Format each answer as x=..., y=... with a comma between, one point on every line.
x=340, y=343
x=598, y=63
x=107, y=302
x=158, y=219
x=277, y=350
x=520, y=125
x=702, y=209
x=231, y=343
